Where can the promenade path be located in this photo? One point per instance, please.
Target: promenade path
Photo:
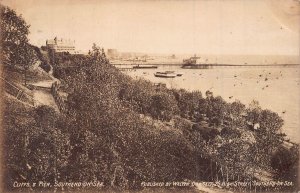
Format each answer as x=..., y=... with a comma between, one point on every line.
x=42, y=91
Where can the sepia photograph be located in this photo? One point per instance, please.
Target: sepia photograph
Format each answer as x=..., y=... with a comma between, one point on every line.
x=183, y=96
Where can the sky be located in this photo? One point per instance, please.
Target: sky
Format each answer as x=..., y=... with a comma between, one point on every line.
x=234, y=27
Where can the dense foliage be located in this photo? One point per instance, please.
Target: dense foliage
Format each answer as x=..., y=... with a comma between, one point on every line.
x=123, y=132
x=15, y=51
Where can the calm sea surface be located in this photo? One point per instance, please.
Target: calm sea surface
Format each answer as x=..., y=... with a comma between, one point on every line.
x=275, y=88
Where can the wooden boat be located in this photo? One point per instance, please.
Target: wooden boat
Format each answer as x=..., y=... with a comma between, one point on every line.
x=165, y=74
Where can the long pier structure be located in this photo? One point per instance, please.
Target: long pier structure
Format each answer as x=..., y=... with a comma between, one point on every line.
x=119, y=65
x=233, y=65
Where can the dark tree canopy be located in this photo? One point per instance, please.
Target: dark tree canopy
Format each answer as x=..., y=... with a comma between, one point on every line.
x=15, y=49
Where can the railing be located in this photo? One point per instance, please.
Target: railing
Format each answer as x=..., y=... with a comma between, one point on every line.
x=20, y=94
x=58, y=99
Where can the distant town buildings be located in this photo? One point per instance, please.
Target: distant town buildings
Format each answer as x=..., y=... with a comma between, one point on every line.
x=112, y=53
x=61, y=45
x=115, y=54
x=126, y=55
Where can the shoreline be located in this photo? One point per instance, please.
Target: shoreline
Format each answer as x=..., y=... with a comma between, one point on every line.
x=249, y=91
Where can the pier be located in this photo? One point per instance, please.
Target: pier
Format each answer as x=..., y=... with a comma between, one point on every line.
x=125, y=69
x=211, y=65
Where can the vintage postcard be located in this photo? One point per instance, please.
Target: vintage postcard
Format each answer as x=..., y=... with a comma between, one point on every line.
x=150, y=95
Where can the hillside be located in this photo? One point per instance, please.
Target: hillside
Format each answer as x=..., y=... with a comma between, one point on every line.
x=76, y=123
x=124, y=132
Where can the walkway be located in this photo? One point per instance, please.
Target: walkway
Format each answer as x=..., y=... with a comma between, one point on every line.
x=44, y=97
x=42, y=92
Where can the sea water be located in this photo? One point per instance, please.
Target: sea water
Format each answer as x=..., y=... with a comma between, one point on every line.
x=275, y=88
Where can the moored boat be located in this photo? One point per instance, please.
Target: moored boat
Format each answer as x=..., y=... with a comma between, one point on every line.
x=166, y=74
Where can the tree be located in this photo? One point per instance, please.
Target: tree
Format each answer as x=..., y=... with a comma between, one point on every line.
x=27, y=57
x=15, y=49
x=98, y=54
x=216, y=110
x=163, y=106
x=267, y=135
x=235, y=114
x=285, y=162
x=14, y=31
x=188, y=103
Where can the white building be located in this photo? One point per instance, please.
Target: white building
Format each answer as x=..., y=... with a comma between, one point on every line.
x=61, y=45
